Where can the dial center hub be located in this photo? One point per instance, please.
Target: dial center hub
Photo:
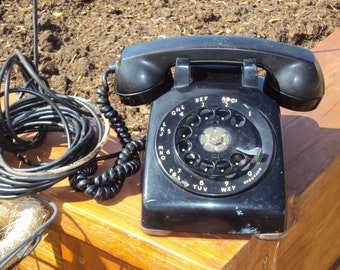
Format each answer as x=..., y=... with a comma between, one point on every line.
x=215, y=139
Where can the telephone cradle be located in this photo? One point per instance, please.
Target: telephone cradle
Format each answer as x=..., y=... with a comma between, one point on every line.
x=214, y=159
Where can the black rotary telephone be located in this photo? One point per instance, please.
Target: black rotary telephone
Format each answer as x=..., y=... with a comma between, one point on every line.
x=214, y=158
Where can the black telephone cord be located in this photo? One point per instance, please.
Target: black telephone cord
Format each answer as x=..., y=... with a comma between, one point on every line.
x=25, y=123
x=109, y=183
x=37, y=112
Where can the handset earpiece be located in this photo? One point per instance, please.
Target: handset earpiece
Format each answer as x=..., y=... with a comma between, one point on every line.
x=139, y=81
x=297, y=87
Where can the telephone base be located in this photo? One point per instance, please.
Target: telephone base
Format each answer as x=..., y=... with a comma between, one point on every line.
x=192, y=218
x=214, y=160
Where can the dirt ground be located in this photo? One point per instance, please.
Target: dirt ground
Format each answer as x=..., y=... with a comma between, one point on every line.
x=78, y=39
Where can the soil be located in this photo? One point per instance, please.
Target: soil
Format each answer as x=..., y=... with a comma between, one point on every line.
x=79, y=39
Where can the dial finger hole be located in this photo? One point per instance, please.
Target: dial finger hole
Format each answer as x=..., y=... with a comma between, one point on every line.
x=206, y=114
x=238, y=120
x=184, y=146
x=192, y=158
x=222, y=166
x=238, y=159
x=184, y=132
x=223, y=114
x=207, y=166
x=193, y=120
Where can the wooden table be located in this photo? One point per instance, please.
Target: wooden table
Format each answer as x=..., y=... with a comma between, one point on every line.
x=92, y=235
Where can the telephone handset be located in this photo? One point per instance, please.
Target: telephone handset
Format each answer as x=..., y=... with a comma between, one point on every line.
x=214, y=156
x=294, y=78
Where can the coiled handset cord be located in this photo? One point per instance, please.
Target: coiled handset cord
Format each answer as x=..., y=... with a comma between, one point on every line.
x=108, y=184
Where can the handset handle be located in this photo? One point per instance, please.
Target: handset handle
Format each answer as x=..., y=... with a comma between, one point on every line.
x=294, y=78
